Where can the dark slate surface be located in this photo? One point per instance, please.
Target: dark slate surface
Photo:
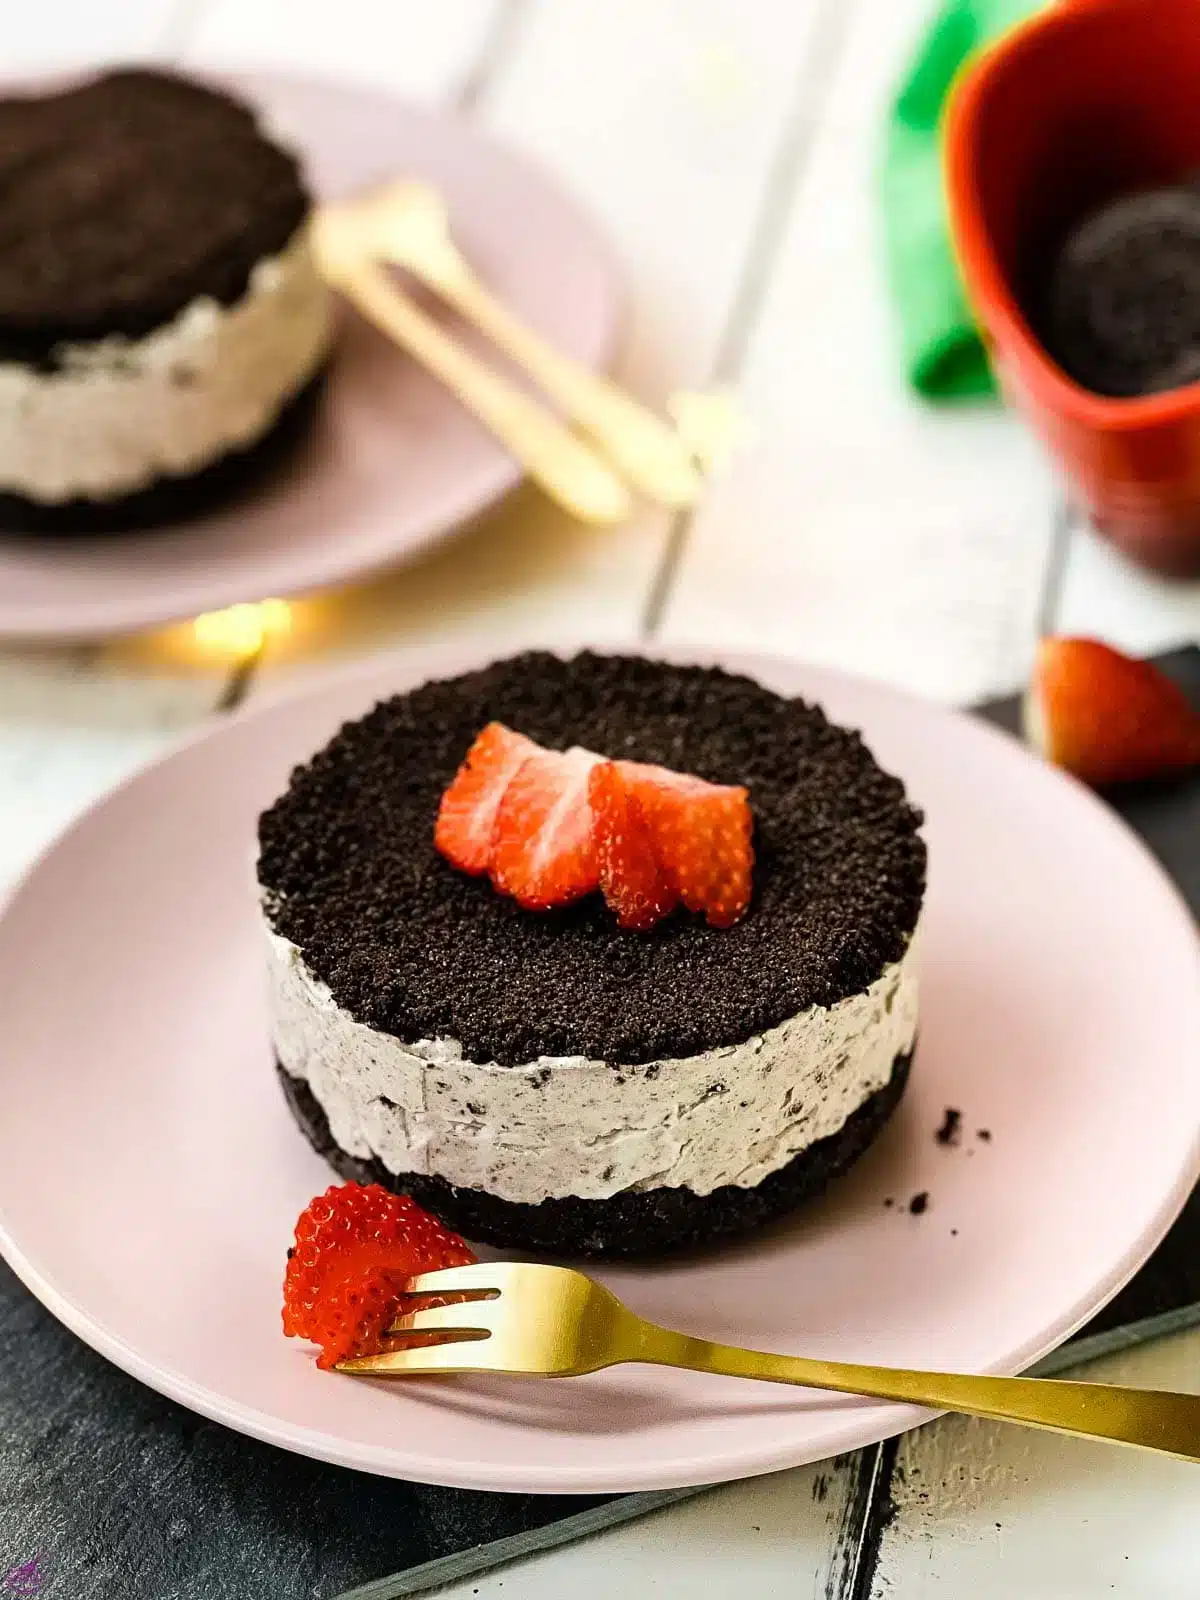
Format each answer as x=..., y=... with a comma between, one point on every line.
x=108, y=1490
x=126, y=1496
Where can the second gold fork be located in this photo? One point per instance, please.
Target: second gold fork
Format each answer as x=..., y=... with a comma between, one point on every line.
x=412, y=229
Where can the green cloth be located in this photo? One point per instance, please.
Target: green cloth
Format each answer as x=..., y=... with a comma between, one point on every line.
x=943, y=356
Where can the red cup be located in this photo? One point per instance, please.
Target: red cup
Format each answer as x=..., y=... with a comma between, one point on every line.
x=1087, y=100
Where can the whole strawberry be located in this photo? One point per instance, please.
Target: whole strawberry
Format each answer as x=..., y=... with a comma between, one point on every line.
x=1106, y=717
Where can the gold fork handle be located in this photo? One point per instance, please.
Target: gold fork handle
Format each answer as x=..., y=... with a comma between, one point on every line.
x=564, y=466
x=647, y=450
x=1152, y=1419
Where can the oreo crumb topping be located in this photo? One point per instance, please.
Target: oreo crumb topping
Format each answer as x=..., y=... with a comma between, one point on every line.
x=950, y=1131
x=985, y=1134
x=416, y=949
x=125, y=199
x=919, y=1204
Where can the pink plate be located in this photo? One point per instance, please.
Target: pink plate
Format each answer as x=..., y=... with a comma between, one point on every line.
x=393, y=462
x=150, y=1173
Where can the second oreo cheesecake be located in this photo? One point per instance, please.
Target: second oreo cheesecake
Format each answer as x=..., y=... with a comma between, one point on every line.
x=548, y=1078
x=162, y=322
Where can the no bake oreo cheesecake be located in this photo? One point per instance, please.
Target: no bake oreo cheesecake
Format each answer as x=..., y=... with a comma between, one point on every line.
x=162, y=323
x=549, y=1079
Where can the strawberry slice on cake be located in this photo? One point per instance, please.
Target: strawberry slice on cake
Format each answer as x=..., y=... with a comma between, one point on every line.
x=701, y=834
x=543, y=845
x=467, y=816
x=636, y=885
x=552, y=826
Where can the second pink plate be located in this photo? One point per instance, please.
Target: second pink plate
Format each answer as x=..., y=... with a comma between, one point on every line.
x=393, y=461
x=150, y=1174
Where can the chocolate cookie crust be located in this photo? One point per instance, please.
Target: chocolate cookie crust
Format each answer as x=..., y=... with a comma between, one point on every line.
x=127, y=198
x=636, y=1222
x=414, y=948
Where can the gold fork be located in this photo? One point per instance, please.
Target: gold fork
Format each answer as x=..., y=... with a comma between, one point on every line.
x=551, y=1322
x=411, y=229
x=346, y=246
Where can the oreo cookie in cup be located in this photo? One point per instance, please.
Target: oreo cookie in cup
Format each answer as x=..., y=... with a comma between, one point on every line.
x=162, y=323
x=1122, y=311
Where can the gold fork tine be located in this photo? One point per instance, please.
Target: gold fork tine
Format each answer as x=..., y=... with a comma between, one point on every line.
x=478, y=1314
x=493, y=1275
x=458, y=1356
x=554, y=1322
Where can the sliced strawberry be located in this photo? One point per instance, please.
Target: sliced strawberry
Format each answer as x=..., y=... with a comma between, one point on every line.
x=634, y=883
x=702, y=838
x=1106, y=717
x=355, y=1248
x=543, y=853
x=467, y=816
x=523, y=814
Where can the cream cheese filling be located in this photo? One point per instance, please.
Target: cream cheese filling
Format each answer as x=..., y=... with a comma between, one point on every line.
x=119, y=413
x=570, y=1126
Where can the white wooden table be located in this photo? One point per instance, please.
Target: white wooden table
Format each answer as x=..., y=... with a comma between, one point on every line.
x=728, y=148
